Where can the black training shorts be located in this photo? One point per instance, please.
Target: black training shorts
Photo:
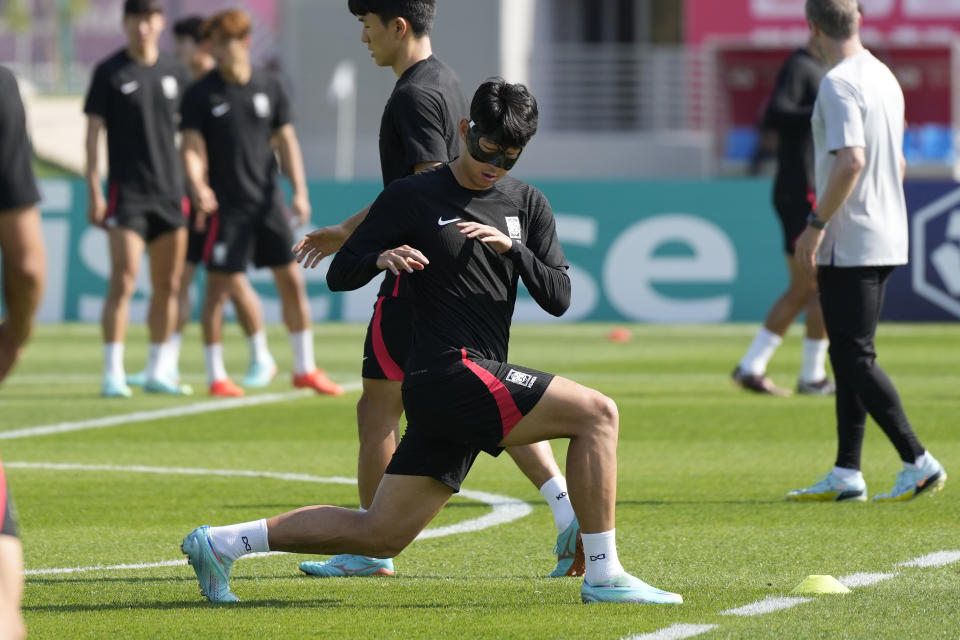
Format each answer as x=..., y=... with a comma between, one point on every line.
x=793, y=213
x=195, y=242
x=148, y=218
x=235, y=239
x=450, y=420
x=389, y=335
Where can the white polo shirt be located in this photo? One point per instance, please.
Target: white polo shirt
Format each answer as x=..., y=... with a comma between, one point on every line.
x=860, y=104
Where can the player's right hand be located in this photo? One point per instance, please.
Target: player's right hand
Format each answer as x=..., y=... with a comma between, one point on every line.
x=404, y=258
x=318, y=244
x=97, y=210
x=205, y=204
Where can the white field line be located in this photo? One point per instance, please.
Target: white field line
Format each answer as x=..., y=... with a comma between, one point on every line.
x=162, y=414
x=864, y=579
x=935, y=559
x=674, y=632
x=505, y=508
x=767, y=605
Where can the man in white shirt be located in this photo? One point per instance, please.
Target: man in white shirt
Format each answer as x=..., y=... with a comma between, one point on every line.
x=853, y=241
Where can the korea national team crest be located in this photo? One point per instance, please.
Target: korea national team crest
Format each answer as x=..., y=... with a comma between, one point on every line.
x=261, y=104
x=513, y=227
x=519, y=377
x=170, y=87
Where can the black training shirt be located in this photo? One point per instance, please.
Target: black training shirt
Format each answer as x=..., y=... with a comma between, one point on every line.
x=140, y=105
x=237, y=123
x=465, y=297
x=420, y=124
x=789, y=112
x=18, y=187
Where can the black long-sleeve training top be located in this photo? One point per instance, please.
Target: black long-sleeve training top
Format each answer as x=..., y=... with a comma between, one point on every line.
x=465, y=297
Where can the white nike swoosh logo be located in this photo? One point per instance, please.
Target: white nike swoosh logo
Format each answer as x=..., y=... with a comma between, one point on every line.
x=129, y=87
x=442, y=222
x=220, y=109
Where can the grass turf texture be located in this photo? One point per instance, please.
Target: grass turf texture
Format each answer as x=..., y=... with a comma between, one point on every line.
x=703, y=470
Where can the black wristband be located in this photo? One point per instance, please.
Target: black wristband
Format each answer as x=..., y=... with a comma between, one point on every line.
x=815, y=222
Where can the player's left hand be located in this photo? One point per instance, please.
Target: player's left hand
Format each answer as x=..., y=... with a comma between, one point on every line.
x=805, y=250
x=490, y=236
x=301, y=206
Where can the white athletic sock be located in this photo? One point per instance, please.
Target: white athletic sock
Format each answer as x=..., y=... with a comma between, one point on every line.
x=235, y=540
x=259, y=352
x=154, y=358
x=919, y=462
x=302, y=344
x=554, y=491
x=173, y=351
x=213, y=353
x=761, y=350
x=600, y=553
x=814, y=360
x=113, y=360
x=847, y=474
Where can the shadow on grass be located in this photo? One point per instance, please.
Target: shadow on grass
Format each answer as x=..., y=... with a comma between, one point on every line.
x=243, y=604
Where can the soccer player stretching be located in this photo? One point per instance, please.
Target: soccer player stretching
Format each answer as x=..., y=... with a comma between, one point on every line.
x=419, y=130
x=232, y=120
x=465, y=234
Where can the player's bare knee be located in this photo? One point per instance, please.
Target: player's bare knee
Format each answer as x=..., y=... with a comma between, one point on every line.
x=122, y=285
x=606, y=416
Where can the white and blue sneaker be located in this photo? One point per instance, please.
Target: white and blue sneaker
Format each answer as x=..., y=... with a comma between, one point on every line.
x=832, y=487
x=259, y=375
x=115, y=387
x=137, y=379
x=213, y=571
x=928, y=479
x=347, y=565
x=165, y=385
x=625, y=588
x=569, y=552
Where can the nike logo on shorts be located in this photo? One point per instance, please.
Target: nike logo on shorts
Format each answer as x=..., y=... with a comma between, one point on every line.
x=442, y=222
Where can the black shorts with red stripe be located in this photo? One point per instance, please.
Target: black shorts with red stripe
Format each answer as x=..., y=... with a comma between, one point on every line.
x=8, y=523
x=450, y=420
x=149, y=218
x=235, y=239
x=389, y=334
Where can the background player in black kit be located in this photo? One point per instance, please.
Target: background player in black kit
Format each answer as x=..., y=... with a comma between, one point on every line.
x=135, y=95
x=234, y=119
x=788, y=113
x=465, y=234
x=418, y=130
x=193, y=48
x=21, y=233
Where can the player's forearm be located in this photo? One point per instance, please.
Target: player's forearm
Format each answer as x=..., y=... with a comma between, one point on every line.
x=349, y=270
x=549, y=286
x=292, y=161
x=195, y=170
x=92, y=169
x=350, y=224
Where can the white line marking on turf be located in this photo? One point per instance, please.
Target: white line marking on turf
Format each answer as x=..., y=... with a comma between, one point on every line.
x=161, y=414
x=767, y=605
x=935, y=559
x=675, y=632
x=864, y=579
x=505, y=508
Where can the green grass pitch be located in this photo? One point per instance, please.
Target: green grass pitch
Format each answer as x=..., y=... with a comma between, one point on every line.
x=703, y=468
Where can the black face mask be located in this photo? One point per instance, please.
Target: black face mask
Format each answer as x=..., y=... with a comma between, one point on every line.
x=497, y=158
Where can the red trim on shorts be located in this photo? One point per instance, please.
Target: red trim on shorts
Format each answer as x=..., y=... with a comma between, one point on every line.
x=185, y=206
x=3, y=495
x=812, y=198
x=213, y=227
x=389, y=367
x=509, y=413
x=396, y=286
x=113, y=194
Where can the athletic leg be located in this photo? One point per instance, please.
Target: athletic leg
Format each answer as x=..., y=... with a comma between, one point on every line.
x=215, y=297
x=11, y=587
x=167, y=255
x=126, y=250
x=21, y=243
x=378, y=427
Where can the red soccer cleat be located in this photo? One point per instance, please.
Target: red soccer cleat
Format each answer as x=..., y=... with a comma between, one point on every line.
x=318, y=381
x=225, y=388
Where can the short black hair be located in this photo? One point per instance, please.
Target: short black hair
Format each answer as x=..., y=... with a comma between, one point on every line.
x=506, y=111
x=190, y=27
x=419, y=13
x=142, y=7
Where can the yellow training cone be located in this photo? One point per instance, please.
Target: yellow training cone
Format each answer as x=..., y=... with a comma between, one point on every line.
x=820, y=584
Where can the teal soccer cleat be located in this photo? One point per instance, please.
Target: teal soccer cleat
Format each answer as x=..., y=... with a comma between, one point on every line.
x=115, y=387
x=347, y=565
x=912, y=482
x=167, y=386
x=831, y=488
x=259, y=375
x=213, y=572
x=569, y=551
x=624, y=588
x=137, y=379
